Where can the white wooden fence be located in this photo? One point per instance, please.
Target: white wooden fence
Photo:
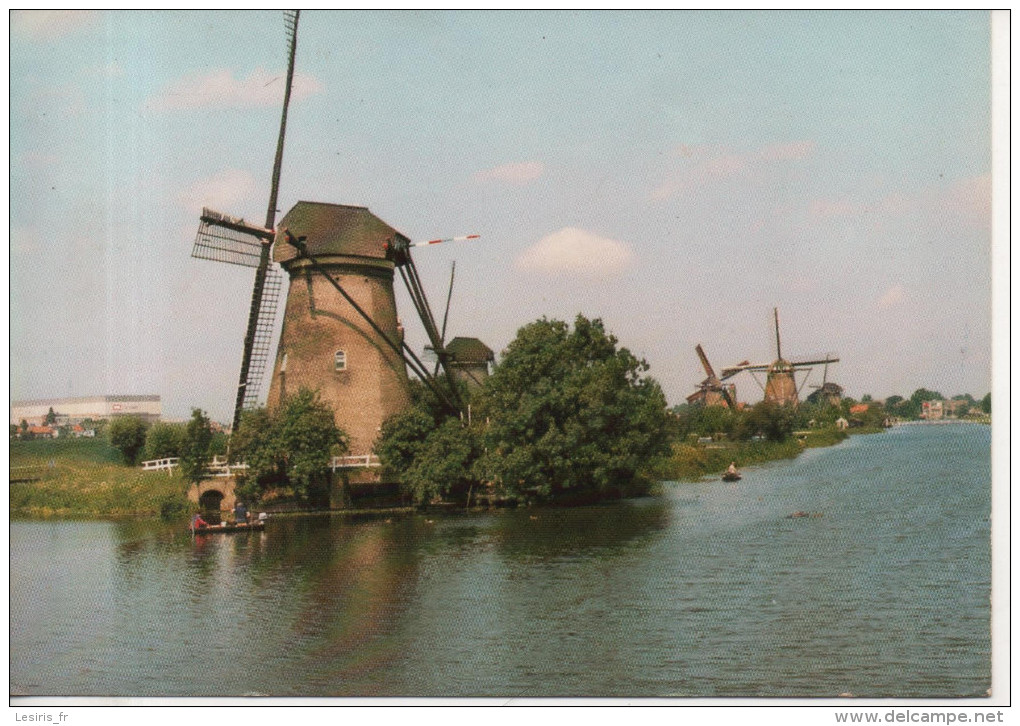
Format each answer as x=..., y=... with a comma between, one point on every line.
x=354, y=462
x=220, y=467
x=161, y=464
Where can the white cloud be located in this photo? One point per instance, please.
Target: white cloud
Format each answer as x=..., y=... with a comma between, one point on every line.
x=517, y=173
x=225, y=192
x=892, y=297
x=50, y=24
x=573, y=251
x=705, y=165
x=220, y=90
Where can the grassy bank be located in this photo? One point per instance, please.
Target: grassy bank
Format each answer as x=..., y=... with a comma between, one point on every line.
x=81, y=478
x=693, y=461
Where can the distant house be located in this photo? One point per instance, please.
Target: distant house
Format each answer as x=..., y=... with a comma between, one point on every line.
x=931, y=410
x=958, y=407
x=858, y=408
x=43, y=432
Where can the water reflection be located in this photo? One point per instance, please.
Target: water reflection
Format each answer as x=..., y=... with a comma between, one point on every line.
x=707, y=590
x=596, y=531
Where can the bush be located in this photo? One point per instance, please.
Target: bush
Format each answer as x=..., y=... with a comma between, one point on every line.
x=173, y=506
x=769, y=419
x=434, y=452
x=289, y=447
x=164, y=441
x=195, y=446
x=127, y=433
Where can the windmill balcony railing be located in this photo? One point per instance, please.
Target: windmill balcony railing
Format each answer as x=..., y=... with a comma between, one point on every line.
x=355, y=462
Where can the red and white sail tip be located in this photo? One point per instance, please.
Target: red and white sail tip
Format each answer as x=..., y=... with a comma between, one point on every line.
x=445, y=239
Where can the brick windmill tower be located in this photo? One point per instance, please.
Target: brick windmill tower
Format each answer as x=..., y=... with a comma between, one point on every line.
x=348, y=347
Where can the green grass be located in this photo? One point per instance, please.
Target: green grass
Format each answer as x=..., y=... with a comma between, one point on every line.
x=693, y=461
x=824, y=437
x=43, y=450
x=80, y=478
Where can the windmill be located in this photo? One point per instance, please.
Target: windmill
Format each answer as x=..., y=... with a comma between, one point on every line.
x=780, y=381
x=341, y=335
x=223, y=238
x=712, y=391
x=829, y=392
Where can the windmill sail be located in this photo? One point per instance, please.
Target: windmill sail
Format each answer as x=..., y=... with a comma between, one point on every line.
x=222, y=238
x=262, y=339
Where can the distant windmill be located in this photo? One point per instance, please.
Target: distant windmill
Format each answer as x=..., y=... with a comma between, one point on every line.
x=780, y=381
x=712, y=391
x=828, y=391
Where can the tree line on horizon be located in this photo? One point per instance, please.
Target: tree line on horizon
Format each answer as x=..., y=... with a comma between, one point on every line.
x=566, y=415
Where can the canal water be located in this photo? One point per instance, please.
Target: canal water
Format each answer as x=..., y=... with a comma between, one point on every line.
x=708, y=590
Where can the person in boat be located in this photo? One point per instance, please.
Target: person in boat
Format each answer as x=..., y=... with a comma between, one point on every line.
x=198, y=523
x=240, y=513
x=732, y=468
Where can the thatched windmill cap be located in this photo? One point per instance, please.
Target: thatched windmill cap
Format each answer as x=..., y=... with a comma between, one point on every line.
x=335, y=229
x=469, y=350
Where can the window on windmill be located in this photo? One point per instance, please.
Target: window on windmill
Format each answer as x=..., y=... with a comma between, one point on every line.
x=340, y=361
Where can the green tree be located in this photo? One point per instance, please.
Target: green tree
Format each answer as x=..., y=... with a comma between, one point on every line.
x=893, y=401
x=769, y=419
x=434, y=452
x=289, y=447
x=309, y=438
x=218, y=445
x=403, y=436
x=986, y=403
x=571, y=415
x=256, y=444
x=444, y=466
x=127, y=433
x=51, y=417
x=923, y=394
x=195, y=446
x=164, y=440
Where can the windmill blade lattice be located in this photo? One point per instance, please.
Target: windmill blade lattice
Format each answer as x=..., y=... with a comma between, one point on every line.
x=221, y=238
x=263, y=340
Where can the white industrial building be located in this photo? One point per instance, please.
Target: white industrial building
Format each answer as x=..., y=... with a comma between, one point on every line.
x=75, y=410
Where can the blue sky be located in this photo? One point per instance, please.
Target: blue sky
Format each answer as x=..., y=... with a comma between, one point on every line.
x=677, y=174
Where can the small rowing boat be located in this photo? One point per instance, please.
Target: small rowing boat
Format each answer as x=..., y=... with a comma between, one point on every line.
x=227, y=528
x=731, y=476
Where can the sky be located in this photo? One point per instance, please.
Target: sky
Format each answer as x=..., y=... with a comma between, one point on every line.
x=676, y=174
